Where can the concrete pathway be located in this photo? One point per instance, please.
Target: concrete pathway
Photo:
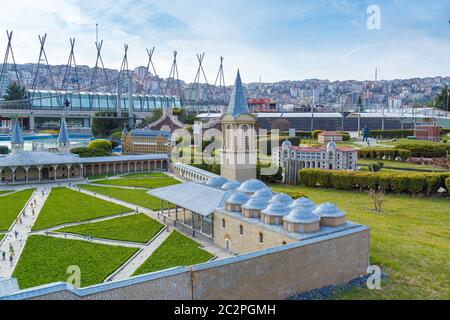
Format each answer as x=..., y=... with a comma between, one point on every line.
x=15, y=239
x=218, y=252
x=130, y=267
x=72, y=236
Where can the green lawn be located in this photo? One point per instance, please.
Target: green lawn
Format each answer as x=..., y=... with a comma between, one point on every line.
x=400, y=164
x=64, y=206
x=410, y=241
x=144, y=175
x=11, y=205
x=176, y=251
x=101, y=176
x=135, y=228
x=150, y=183
x=5, y=192
x=138, y=197
x=1, y=236
x=46, y=259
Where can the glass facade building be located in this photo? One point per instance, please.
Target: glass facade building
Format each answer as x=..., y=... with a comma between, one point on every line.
x=96, y=101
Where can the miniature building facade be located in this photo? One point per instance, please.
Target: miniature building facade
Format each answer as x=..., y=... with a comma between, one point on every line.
x=428, y=133
x=329, y=136
x=254, y=220
x=146, y=142
x=330, y=157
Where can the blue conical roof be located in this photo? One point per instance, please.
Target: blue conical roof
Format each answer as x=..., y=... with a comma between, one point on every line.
x=63, y=134
x=238, y=101
x=16, y=137
x=124, y=131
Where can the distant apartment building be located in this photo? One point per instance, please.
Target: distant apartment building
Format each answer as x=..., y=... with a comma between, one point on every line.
x=146, y=142
x=394, y=103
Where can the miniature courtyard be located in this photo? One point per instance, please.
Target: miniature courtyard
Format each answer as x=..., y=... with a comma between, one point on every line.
x=106, y=236
x=109, y=228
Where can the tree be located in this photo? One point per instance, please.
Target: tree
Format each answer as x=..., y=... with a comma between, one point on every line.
x=440, y=101
x=4, y=150
x=15, y=92
x=360, y=104
x=156, y=115
x=103, y=145
x=104, y=127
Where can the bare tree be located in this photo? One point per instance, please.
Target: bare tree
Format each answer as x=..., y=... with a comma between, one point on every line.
x=377, y=196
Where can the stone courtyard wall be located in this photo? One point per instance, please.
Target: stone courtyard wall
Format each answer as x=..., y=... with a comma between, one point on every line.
x=275, y=273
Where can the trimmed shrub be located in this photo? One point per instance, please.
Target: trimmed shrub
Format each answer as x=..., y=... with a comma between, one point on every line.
x=379, y=153
x=447, y=185
x=412, y=183
x=315, y=134
x=425, y=149
x=295, y=194
x=390, y=134
x=101, y=144
x=376, y=166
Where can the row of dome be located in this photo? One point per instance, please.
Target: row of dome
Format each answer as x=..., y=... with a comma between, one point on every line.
x=253, y=199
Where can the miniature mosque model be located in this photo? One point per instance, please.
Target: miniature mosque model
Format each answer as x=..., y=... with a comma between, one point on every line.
x=239, y=212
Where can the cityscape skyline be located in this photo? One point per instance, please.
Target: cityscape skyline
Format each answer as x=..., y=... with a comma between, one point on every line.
x=282, y=41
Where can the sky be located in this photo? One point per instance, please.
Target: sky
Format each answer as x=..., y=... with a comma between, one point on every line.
x=271, y=40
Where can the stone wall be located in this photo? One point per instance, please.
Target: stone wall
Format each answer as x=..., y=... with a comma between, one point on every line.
x=275, y=273
x=250, y=240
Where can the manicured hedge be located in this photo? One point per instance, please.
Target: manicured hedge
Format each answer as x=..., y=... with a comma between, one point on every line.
x=390, y=134
x=379, y=153
x=413, y=183
x=425, y=149
x=447, y=184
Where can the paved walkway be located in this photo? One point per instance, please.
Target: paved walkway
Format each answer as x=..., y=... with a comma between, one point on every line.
x=130, y=267
x=15, y=239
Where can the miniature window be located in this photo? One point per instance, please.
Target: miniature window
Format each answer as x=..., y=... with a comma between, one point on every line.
x=261, y=238
x=223, y=223
x=241, y=230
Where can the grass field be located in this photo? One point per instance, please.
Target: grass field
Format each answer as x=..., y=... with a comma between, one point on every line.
x=11, y=205
x=101, y=176
x=1, y=236
x=410, y=241
x=138, y=197
x=402, y=165
x=145, y=175
x=46, y=259
x=176, y=251
x=134, y=228
x=5, y=192
x=64, y=206
x=150, y=183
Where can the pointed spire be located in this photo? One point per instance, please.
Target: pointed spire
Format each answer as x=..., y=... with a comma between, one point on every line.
x=124, y=131
x=16, y=137
x=63, y=137
x=238, y=101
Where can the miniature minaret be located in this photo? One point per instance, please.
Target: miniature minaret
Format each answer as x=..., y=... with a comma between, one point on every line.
x=16, y=139
x=63, y=138
x=239, y=152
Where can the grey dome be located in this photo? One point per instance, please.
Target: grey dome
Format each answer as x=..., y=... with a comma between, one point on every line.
x=302, y=215
x=329, y=210
x=263, y=194
x=256, y=203
x=277, y=209
x=216, y=182
x=304, y=203
x=251, y=186
x=332, y=146
x=282, y=197
x=230, y=185
x=238, y=198
x=286, y=144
